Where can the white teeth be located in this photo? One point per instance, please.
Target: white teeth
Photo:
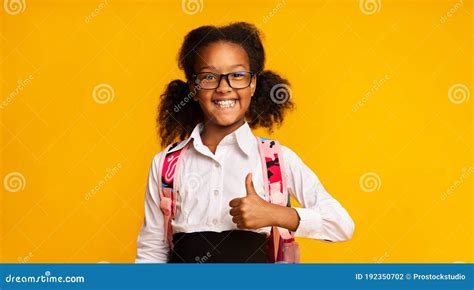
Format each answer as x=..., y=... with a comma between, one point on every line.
x=225, y=103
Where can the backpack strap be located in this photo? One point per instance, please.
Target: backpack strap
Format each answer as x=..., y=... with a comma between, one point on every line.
x=274, y=179
x=168, y=190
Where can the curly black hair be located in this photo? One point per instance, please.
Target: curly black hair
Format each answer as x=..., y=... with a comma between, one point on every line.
x=178, y=114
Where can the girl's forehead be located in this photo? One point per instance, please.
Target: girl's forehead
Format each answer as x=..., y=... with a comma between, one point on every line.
x=222, y=56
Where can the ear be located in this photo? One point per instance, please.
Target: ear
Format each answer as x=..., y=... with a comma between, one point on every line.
x=253, y=85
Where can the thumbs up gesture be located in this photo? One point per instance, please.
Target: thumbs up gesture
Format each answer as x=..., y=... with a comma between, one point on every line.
x=251, y=211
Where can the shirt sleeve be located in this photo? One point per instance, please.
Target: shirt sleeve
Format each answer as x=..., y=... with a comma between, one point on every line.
x=152, y=246
x=322, y=217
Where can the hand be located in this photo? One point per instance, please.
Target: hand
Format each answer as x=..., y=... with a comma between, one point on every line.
x=251, y=211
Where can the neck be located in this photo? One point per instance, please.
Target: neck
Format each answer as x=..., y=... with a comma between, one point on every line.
x=212, y=133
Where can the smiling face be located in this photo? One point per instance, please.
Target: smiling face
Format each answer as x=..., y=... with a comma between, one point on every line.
x=223, y=106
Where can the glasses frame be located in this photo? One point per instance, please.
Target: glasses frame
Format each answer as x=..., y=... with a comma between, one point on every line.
x=226, y=76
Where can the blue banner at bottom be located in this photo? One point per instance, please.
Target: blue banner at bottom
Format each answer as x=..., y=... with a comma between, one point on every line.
x=236, y=276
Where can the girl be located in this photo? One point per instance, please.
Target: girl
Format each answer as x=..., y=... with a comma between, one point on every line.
x=222, y=214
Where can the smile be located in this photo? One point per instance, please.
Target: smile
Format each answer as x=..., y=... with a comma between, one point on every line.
x=224, y=104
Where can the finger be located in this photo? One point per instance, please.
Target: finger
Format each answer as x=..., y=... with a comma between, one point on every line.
x=235, y=202
x=235, y=211
x=249, y=185
x=242, y=225
x=237, y=219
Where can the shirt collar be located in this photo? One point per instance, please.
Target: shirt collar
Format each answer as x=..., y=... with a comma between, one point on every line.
x=243, y=136
x=196, y=133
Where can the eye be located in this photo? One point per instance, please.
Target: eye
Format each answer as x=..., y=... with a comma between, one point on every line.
x=209, y=76
x=237, y=75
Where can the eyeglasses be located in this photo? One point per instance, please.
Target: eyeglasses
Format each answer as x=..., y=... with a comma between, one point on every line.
x=235, y=80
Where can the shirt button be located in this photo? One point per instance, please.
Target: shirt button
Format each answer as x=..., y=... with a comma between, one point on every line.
x=216, y=192
x=217, y=165
x=214, y=221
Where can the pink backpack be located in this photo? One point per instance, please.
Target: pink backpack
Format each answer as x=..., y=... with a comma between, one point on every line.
x=282, y=246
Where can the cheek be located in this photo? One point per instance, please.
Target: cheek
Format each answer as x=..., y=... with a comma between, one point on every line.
x=204, y=96
x=245, y=100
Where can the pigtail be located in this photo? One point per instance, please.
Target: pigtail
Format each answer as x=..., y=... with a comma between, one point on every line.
x=178, y=113
x=270, y=102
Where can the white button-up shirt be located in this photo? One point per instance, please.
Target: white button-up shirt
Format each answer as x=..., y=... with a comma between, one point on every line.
x=210, y=181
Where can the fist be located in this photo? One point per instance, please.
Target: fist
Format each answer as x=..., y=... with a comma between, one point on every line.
x=251, y=211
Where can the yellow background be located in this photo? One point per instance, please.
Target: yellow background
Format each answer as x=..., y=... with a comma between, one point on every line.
x=372, y=95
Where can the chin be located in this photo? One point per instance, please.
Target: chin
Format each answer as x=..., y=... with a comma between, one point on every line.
x=225, y=121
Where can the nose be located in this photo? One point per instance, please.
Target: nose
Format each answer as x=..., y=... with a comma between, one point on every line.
x=224, y=85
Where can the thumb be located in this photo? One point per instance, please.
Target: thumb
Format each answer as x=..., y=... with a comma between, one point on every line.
x=249, y=185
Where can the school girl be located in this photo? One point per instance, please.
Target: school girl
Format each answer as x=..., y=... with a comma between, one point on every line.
x=214, y=195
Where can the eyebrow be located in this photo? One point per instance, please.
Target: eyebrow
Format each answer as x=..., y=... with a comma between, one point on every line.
x=214, y=68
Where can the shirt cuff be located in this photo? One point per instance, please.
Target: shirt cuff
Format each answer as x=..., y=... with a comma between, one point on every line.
x=311, y=222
